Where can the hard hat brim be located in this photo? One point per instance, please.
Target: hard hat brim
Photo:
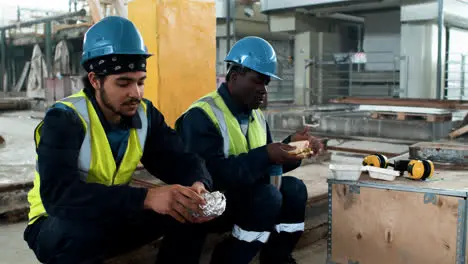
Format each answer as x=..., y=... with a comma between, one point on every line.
x=84, y=59
x=271, y=75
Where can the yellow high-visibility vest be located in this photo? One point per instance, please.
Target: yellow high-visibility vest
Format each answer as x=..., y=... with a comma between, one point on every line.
x=96, y=163
x=234, y=141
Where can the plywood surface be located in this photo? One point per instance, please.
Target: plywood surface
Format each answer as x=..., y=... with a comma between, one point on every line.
x=448, y=180
x=392, y=227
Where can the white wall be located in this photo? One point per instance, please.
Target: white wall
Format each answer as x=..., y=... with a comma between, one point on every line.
x=419, y=42
x=382, y=40
x=457, y=72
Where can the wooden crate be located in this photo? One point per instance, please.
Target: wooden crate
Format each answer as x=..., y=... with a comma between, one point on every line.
x=404, y=221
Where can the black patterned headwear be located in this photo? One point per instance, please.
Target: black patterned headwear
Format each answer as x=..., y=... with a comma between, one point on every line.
x=116, y=64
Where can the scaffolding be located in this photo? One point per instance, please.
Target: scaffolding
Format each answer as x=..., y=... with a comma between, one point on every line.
x=332, y=75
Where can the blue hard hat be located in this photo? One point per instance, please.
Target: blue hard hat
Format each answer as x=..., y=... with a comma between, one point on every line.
x=254, y=53
x=112, y=35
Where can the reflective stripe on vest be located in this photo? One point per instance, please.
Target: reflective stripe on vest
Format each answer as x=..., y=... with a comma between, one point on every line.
x=84, y=159
x=222, y=122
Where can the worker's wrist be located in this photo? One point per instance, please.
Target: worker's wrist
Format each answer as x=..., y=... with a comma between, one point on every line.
x=260, y=155
x=206, y=184
x=146, y=201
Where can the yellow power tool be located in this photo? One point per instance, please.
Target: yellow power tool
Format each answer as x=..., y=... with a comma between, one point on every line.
x=417, y=169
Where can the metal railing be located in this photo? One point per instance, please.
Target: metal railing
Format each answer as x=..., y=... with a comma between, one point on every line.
x=334, y=75
x=456, y=77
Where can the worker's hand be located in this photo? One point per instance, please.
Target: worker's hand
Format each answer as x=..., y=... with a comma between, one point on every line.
x=278, y=153
x=314, y=143
x=175, y=200
x=199, y=188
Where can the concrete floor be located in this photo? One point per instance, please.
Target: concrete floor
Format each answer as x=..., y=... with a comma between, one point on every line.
x=17, y=155
x=15, y=250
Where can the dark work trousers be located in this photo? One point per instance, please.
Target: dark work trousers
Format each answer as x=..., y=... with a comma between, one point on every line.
x=259, y=218
x=55, y=240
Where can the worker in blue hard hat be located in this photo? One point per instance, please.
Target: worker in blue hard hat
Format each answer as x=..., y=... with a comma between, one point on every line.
x=82, y=208
x=227, y=128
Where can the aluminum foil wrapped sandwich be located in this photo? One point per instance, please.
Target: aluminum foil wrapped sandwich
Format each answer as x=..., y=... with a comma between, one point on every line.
x=215, y=204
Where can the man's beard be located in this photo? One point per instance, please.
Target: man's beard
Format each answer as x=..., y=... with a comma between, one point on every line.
x=106, y=102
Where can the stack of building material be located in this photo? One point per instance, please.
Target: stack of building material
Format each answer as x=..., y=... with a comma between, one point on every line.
x=444, y=154
x=8, y=104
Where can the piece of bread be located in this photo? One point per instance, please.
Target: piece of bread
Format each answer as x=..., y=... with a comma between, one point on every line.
x=302, y=148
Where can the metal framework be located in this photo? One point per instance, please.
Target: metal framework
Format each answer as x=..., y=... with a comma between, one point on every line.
x=102, y=8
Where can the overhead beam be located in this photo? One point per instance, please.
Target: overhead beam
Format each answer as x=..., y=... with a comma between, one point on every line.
x=96, y=10
x=82, y=12
x=120, y=8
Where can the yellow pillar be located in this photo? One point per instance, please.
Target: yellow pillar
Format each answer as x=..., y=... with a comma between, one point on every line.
x=182, y=36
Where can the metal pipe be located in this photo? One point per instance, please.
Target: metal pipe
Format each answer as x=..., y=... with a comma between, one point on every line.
x=233, y=21
x=48, y=47
x=228, y=26
x=82, y=12
x=440, y=27
x=3, y=59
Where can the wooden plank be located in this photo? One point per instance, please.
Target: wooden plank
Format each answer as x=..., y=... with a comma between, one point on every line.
x=431, y=103
x=412, y=116
x=392, y=227
x=462, y=130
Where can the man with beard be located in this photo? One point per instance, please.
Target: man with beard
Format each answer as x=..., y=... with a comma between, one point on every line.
x=82, y=209
x=229, y=131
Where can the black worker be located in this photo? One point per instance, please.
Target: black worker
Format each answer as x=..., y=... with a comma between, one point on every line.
x=227, y=128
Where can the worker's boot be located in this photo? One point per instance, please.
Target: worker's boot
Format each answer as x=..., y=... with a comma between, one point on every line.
x=279, y=248
x=289, y=260
x=234, y=251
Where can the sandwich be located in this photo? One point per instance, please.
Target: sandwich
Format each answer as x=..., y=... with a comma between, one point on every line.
x=302, y=149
